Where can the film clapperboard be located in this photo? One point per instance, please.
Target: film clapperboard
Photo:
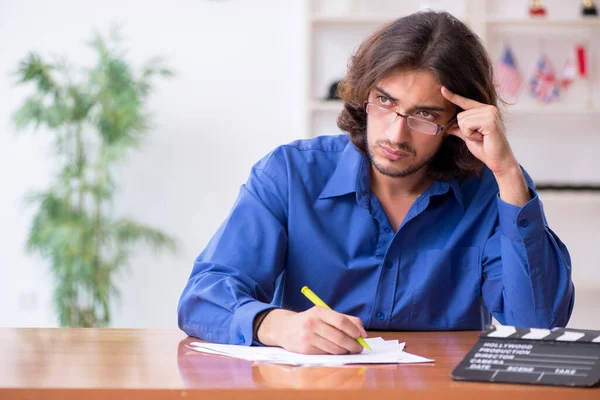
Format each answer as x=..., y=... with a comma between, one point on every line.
x=560, y=356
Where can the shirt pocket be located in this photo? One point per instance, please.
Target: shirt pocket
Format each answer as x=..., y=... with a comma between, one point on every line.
x=447, y=288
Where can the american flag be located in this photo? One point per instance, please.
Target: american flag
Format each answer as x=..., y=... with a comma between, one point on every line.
x=543, y=85
x=508, y=77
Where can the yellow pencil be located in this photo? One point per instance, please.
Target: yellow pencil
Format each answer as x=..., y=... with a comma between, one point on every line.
x=318, y=302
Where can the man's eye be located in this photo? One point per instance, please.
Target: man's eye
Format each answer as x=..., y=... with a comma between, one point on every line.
x=384, y=101
x=426, y=115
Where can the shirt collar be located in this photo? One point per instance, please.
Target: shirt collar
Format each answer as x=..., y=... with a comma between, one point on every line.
x=345, y=178
x=441, y=187
x=352, y=175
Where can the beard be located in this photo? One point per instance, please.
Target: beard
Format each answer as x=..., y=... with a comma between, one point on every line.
x=392, y=171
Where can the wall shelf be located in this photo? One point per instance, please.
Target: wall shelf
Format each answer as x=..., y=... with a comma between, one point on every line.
x=551, y=109
x=569, y=187
x=549, y=23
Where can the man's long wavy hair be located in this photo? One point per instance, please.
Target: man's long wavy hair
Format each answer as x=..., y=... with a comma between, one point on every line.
x=427, y=41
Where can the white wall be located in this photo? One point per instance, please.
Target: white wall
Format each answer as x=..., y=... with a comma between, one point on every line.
x=238, y=93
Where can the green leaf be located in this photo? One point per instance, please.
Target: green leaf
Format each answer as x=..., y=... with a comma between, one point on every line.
x=33, y=69
x=34, y=112
x=127, y=232
x=31, y=112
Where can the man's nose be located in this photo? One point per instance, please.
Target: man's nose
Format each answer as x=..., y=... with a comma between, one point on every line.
x=398, y=131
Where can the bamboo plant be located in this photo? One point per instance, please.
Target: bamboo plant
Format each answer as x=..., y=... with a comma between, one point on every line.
x=96, y=116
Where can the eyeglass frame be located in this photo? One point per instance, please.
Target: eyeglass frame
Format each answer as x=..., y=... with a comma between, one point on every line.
x=406, y=116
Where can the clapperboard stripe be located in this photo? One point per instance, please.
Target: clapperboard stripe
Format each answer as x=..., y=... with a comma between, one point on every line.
x=557, y=334
x=537, y=334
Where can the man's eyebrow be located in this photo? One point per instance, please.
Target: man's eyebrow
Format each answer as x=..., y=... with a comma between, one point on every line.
x=428, y=108
x=420, y=107
x=386, y=94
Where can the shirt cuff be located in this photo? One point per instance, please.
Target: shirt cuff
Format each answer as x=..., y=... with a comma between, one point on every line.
x=521, y=223
x=243, y=320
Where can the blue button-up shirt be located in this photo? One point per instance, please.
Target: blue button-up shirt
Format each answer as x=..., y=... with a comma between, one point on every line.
x=307, y=216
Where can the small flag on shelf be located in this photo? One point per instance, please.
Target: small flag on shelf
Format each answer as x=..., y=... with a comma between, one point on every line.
x=508, y=77
x=543, y=85
x=582, y=61
x=570, y=71
x=575, y=66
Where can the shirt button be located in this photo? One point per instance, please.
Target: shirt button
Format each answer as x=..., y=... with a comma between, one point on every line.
x=380, y=316
x=389, y=264
x=386, y=229
x=523, y=223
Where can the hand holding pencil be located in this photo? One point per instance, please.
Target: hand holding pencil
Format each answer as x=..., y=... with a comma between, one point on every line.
x=318, y=302
x=318, y=330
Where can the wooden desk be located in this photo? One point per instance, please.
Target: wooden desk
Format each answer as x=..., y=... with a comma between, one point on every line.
x=150, y=364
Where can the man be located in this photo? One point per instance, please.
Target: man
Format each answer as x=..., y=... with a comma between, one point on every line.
x=419, y=219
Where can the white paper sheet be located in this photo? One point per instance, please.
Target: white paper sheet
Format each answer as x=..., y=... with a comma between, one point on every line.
x=383, y=352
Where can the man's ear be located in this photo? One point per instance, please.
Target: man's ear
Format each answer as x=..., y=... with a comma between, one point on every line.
x=452, y=125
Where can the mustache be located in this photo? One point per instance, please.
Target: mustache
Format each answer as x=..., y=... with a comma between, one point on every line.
x=401, y=147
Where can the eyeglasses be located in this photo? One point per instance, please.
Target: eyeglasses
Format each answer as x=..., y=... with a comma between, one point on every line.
x=389, y=116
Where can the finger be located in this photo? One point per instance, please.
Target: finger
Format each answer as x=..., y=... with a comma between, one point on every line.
x=311, y=349
x=462, y=102
x=322, y=340
x=338, y=338
x=487, y=116
x=356, y=321
x=341, y=322
x=308, y=341
x=477, y=123
x=475, y=137
x=465, y=130
x=479, y=111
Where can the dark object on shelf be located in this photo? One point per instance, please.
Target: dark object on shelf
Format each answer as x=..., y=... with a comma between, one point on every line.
x=332, y=95
x=536, y=9
x=567, y=188
x=589, y=8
